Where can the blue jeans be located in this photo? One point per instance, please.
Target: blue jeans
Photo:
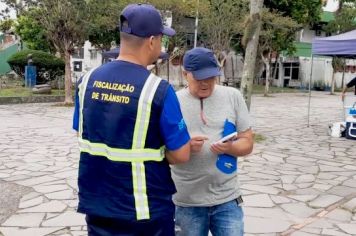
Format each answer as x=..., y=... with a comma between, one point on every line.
x=222, y=220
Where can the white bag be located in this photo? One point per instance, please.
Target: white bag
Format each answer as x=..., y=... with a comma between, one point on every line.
x=336, y=129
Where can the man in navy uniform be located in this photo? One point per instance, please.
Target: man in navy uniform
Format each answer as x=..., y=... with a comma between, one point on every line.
x=130, y=128
x=350, y=84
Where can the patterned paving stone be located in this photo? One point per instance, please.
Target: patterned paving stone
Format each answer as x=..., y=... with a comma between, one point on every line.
x=66, y=219
x=324, y=201
x=15, y=231
x=285, y=173
x=25, y=220
x=348, y=228
x=258, y=200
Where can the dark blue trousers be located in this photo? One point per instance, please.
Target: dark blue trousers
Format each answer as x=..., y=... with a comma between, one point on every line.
x=101, y=226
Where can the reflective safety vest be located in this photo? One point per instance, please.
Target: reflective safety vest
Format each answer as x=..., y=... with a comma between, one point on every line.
x=90, y=140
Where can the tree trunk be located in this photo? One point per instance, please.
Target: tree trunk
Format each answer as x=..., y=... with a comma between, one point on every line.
x=332, y=90
x=251, y=52
x=68, y=79
x=267, y=62
x=275, y=67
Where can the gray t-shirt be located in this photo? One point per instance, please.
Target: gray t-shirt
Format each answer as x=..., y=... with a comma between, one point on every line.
x=199, y=182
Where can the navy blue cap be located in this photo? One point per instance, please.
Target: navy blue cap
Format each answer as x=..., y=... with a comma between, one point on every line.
x=143, y=20
x=201, y=63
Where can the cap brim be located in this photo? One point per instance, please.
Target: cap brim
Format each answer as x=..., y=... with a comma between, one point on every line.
x=168, y=31
x=206, y=73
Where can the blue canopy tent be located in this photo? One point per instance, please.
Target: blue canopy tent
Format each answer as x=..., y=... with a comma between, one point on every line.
x=342, y=45
x=114, y=53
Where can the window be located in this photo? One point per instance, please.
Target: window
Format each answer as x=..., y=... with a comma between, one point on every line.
x=77, y=66
x=273, y=67
x=93, y=54
x=190, y=40
x=291, y=70
x=78, y=53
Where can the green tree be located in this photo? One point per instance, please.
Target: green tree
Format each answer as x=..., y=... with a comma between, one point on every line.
x=66, y=28
x=65, y=25
x=31, y=32
x=6, y=25
x=222, y=21
x=305, y=12
x=277, y=35
x=344, y=19
x=104, y=16
x=103, y=20
x=281, y=20
x=251, y=39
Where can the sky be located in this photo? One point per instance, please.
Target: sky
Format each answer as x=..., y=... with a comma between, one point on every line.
x=3, y=6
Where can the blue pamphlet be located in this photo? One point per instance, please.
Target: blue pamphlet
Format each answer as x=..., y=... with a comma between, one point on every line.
x=225, y=162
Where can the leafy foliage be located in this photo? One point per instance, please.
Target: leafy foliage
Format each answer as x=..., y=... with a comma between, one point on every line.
x=222, y=22
x=305, y=12
x=278, y=32
x=344, y=19
x=103, y=19
x=5, y=25
x=48, y=66
x=30, y=31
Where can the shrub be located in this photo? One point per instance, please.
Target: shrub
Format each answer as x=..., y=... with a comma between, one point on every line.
x=48, y=66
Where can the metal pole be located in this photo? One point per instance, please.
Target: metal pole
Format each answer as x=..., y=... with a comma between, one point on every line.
x=343, y=74
x=168, y=70
x=196, y=24
x=310, y=80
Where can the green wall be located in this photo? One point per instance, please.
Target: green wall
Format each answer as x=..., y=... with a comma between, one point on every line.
x=4, y=55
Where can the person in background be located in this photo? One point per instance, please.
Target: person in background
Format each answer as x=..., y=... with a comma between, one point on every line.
x=350, y=84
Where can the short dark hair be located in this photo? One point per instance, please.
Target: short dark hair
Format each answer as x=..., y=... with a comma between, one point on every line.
x=131, y=40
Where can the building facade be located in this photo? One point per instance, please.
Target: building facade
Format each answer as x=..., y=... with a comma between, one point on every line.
x=295, y=71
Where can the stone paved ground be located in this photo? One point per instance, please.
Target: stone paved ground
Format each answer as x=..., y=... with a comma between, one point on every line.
x=299, y=181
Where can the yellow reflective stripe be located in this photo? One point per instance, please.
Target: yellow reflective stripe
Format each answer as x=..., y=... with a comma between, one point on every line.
x=82, y=89
x=144, y=192
x=144, y=110
x=139, y=138
x=138, y=154
x=139, y=187
x=117, y=154
x=148, y=109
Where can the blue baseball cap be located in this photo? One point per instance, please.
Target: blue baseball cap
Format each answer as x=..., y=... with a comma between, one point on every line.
x=143, y=20
x=201, y=63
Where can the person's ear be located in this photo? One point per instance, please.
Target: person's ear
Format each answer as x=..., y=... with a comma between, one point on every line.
x=185, y=74
x=151, y=42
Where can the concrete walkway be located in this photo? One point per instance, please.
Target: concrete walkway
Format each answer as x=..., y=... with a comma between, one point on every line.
x=299, y=181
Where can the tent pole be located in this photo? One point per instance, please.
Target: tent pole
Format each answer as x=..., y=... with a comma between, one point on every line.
x=343, y=74
x=310, y=80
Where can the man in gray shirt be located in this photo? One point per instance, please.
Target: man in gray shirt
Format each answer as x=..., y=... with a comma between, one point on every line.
x=208, y=194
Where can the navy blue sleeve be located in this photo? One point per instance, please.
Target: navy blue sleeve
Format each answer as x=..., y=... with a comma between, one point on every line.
x=351, y=83
x=76, y=113
x=173, y=128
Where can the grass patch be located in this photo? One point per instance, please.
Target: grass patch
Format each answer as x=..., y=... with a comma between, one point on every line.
x=259, y=138
x=62, y=104
x=26, y=92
